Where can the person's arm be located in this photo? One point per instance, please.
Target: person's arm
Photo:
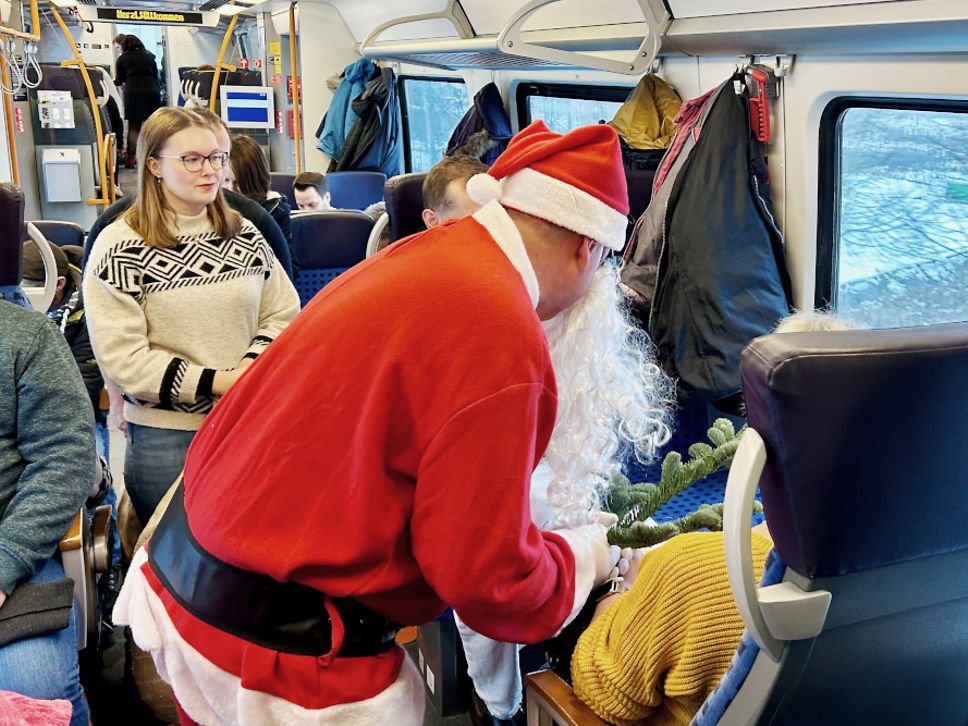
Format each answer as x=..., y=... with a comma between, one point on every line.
x=278, y=307
x=55, y=437
x=471, y=528
x=120, y=71
x=80, y=343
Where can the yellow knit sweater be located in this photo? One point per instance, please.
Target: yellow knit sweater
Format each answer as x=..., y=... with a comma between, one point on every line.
x=654, y=656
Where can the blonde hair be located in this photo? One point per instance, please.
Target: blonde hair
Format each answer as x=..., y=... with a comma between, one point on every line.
x=149, y=215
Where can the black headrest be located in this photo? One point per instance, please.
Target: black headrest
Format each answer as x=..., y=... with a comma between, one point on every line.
x=11, y=233
x=61, y=233
x=355, y=189
x=329, y=239
x=58, y=78
x=281, y=182
x=866, y=437
x=404, y=199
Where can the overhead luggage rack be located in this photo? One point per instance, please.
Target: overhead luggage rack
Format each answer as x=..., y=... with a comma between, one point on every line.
x=513, y=48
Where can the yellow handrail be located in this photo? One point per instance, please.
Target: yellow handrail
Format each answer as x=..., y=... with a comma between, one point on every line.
x=95, y=109
x=4, y=30
x=219, y=65
x=293, y=69
x=8, y=113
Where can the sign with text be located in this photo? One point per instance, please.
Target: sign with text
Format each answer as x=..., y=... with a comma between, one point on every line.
x=289, y=87
x=146, y=16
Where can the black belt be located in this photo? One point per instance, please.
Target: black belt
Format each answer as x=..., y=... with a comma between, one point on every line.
x=283, y=616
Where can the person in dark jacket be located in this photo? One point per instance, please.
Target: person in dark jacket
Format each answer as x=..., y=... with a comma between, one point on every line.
x=137, y=71
x=67, y=311
x=248, y=174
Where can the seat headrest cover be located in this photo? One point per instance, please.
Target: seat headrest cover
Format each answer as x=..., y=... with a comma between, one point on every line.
x=11, y=233
x=329, y=239
x=866, y=434
x=404, y=199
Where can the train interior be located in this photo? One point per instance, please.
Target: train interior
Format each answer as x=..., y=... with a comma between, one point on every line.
x=856, y=112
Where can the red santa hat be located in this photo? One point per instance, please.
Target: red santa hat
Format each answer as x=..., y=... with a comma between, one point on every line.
x=574, y=180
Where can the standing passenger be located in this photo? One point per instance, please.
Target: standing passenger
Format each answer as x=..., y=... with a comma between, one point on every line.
x=137, y=71
x=374, y=467
x=182, y=294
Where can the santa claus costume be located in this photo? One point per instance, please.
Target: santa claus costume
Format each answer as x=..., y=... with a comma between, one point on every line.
x=372, y=467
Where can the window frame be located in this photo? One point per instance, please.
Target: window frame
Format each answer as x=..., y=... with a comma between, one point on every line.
x=404, y=111
x=828, y=178
x=579, y=91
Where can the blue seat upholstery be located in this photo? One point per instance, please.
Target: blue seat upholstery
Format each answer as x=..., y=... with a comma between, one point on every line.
x=355, y=189
x=61, y=233
x=404, y=198
x=863, y=488
x=325, y=244
x=281, y=181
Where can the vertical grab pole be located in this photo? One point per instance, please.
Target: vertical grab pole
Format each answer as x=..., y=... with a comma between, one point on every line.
x=293, y=69
x=8, y=113
x=218, y=64
x=95, y=109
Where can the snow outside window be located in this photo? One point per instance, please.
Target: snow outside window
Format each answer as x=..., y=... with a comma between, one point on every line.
x=901, y=225
x=432, y=108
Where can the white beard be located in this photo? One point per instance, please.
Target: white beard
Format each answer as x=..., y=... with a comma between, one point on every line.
x=613, y=399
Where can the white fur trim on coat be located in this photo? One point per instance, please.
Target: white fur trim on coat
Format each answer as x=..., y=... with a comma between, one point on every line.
x=547, y=198
x=214, y=697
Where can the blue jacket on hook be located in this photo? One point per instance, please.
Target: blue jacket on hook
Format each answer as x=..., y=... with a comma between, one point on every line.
x=340, y=116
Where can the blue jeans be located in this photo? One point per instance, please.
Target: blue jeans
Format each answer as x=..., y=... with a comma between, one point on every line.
x=46, y=666
x=153, y=460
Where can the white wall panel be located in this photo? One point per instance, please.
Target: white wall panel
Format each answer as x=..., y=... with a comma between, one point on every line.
x=489, y=16
x=705, y=8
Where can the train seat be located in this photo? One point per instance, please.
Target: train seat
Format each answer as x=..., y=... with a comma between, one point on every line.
x=404, y=199
x=325, y=244
x=281, y=182
x=856, y=443
x=61, y=233
x=355, y=189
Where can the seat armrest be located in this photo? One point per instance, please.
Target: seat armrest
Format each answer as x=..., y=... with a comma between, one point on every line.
x=551, y=700
x=74, y=537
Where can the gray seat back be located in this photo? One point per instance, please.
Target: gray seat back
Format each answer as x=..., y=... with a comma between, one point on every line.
x=864, y=492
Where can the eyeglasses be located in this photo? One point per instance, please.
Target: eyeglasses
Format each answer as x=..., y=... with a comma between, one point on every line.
x=194, y=162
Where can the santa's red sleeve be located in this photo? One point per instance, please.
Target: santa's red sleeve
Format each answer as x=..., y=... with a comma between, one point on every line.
x=471, y=528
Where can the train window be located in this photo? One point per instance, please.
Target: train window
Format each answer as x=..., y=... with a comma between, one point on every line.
x=432, y=108
x=893, y=231
x=564, y=106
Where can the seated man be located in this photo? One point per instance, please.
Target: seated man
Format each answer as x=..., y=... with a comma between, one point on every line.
x=47, y=465
x=311, y=192
x=445, y=189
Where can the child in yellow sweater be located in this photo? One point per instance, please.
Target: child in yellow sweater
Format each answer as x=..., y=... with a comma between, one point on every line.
x=653, y=654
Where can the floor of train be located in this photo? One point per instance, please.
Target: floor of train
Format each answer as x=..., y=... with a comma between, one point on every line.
x=107, y=678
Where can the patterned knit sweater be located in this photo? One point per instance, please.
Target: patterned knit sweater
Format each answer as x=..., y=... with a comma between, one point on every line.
x=655, y=655
x=163, y=321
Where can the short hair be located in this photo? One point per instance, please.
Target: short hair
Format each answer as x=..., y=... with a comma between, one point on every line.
x=442, y=173
x=812, y=321
x=32, y=263
x=250, y=167
x=310, y=179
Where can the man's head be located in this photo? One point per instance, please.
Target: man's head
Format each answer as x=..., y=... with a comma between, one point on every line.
x=32, y=267
x=310, y=191
x=568, y=197
x=444, y=189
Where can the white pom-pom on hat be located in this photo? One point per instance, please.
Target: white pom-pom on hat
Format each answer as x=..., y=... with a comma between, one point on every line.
x=483, y=188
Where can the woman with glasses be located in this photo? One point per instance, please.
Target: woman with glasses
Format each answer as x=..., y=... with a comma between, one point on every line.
x=182, y=295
